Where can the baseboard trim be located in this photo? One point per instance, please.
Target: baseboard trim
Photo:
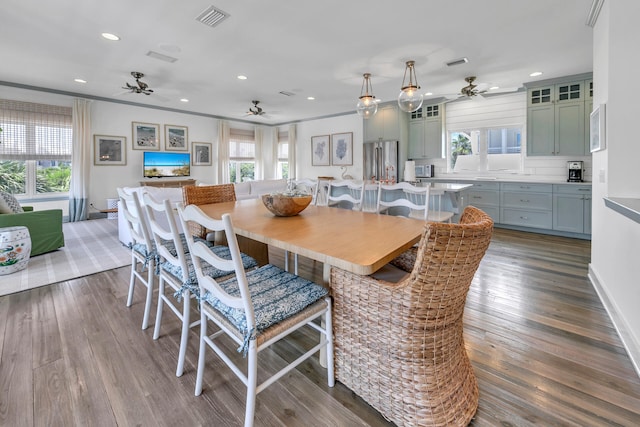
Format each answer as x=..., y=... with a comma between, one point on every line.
x=623, y=329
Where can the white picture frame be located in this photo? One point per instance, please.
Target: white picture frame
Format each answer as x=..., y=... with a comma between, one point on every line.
x=146, y=136
x=201, y=153
x=109, y=150
x=342, y=149
x=320, y=150
x=176, y=138
x=597, y=128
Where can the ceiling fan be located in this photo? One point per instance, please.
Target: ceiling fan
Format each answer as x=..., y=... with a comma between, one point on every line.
x=255, y=110
x=471, y=89
x=141, y=87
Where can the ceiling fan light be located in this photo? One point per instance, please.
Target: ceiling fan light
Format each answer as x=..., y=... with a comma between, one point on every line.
x=367, y=105
x=410, y=98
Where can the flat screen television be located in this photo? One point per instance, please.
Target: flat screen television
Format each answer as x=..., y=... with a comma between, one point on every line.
x=157, y=164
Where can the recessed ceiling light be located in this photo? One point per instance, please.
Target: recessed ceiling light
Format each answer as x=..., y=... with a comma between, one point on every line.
x=494, y=88
x=378, y=100
x=241, y=77
x=428, y=94
x=79, y=80
x=310, y=98
x=536, y=74
x=110, y=36
x=184, y=100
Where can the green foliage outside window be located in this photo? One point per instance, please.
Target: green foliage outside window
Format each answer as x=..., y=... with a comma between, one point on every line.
x=13, y=177
x=460, y=145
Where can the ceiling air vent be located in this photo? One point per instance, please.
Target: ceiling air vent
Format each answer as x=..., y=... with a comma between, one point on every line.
x=212, y=16
x=457, y=62
x=161, y=57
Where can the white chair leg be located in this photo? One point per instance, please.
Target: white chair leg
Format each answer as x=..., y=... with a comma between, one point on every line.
x=156, y=329
x=252, y=379
x=147, y=304
x=132, y=281
x=186, y=319
x=331, y=380
x=201, y=353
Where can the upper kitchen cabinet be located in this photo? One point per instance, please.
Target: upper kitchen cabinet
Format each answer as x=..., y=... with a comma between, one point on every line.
x=384, y=125
x=425, y=132
x=556, y=117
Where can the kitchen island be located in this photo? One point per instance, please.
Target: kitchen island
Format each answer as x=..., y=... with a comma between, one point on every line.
x=541, y=206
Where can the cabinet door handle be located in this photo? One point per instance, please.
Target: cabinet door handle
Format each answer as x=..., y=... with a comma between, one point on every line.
x=524, y=200
x=524, y=217
x=477, y=197
x=584, y=189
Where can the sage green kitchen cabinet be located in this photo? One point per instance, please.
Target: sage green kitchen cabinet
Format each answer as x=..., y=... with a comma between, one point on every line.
x=556, y=119
x=425, y=132
x=485, y=196
x=572, y=208
x=384, y=125
x=526, y=205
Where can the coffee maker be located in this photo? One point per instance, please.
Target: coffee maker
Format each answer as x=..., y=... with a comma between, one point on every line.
x=575, y=171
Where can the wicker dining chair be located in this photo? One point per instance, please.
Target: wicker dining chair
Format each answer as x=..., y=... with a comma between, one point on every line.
x=400, y=345
x=203, y=195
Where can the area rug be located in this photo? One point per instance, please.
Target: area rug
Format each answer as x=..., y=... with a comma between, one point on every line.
x=90, y=247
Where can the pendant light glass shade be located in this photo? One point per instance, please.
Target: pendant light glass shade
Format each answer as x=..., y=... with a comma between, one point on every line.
x=410, y=98
x=367, y=105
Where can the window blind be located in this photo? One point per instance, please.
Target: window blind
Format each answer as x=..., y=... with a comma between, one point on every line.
x=242, y=144
x=35, y=131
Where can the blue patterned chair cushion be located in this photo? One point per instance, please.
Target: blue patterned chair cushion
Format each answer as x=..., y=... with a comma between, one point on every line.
x=142, y=249
x=208, y=270
x=276, y=296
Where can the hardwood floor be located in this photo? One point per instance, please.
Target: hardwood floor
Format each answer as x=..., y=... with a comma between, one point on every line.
x=542, y=347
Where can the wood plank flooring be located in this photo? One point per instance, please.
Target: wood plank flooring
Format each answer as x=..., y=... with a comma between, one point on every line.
x=542, y=347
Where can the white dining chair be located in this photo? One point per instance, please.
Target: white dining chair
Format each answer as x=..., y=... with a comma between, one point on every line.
x=404, y=199
x=370, y=197
x=143, y=251
x=175, y=269
x=345, y=194
x=255, y=309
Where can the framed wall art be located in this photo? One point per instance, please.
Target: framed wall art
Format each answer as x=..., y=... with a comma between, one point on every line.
x=176, y=138
x=342, y=149
x=320, y=150
x=201, y=154
x=597, y=128
x=109, y=150
x=146, y=136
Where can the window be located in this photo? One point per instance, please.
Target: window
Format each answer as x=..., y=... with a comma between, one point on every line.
x=283, y=155
x=242, y=155
x=485, y=149
x=35, y=148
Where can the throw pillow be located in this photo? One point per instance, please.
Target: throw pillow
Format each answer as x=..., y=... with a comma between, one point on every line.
x=9, y=204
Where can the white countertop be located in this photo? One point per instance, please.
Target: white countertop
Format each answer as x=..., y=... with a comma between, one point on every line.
x=526, y=179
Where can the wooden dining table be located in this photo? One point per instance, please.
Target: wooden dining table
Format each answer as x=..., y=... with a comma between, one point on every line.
x=359, y=242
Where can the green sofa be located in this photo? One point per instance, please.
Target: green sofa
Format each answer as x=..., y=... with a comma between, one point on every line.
x=45, y=228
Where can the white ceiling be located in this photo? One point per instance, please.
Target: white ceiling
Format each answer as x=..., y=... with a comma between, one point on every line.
x=318, y=49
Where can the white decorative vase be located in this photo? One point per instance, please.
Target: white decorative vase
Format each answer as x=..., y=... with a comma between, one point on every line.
x=15, y=249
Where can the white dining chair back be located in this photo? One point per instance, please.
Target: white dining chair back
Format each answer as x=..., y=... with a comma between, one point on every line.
x=308, y=186
x=345, y=194
x=143, y=253
x=176, y=270
x=404, y=199
x=370, y=197
x=255, y=309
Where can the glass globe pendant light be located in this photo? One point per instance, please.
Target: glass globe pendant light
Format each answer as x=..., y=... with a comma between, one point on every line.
x=367, y=105
x=410, y=98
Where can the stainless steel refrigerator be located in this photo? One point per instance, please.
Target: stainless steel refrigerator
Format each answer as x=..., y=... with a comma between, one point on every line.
x=381, y=160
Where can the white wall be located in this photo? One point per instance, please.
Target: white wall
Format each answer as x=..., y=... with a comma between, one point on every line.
x=614, y=268
x=115, y=119
x=305, y=130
